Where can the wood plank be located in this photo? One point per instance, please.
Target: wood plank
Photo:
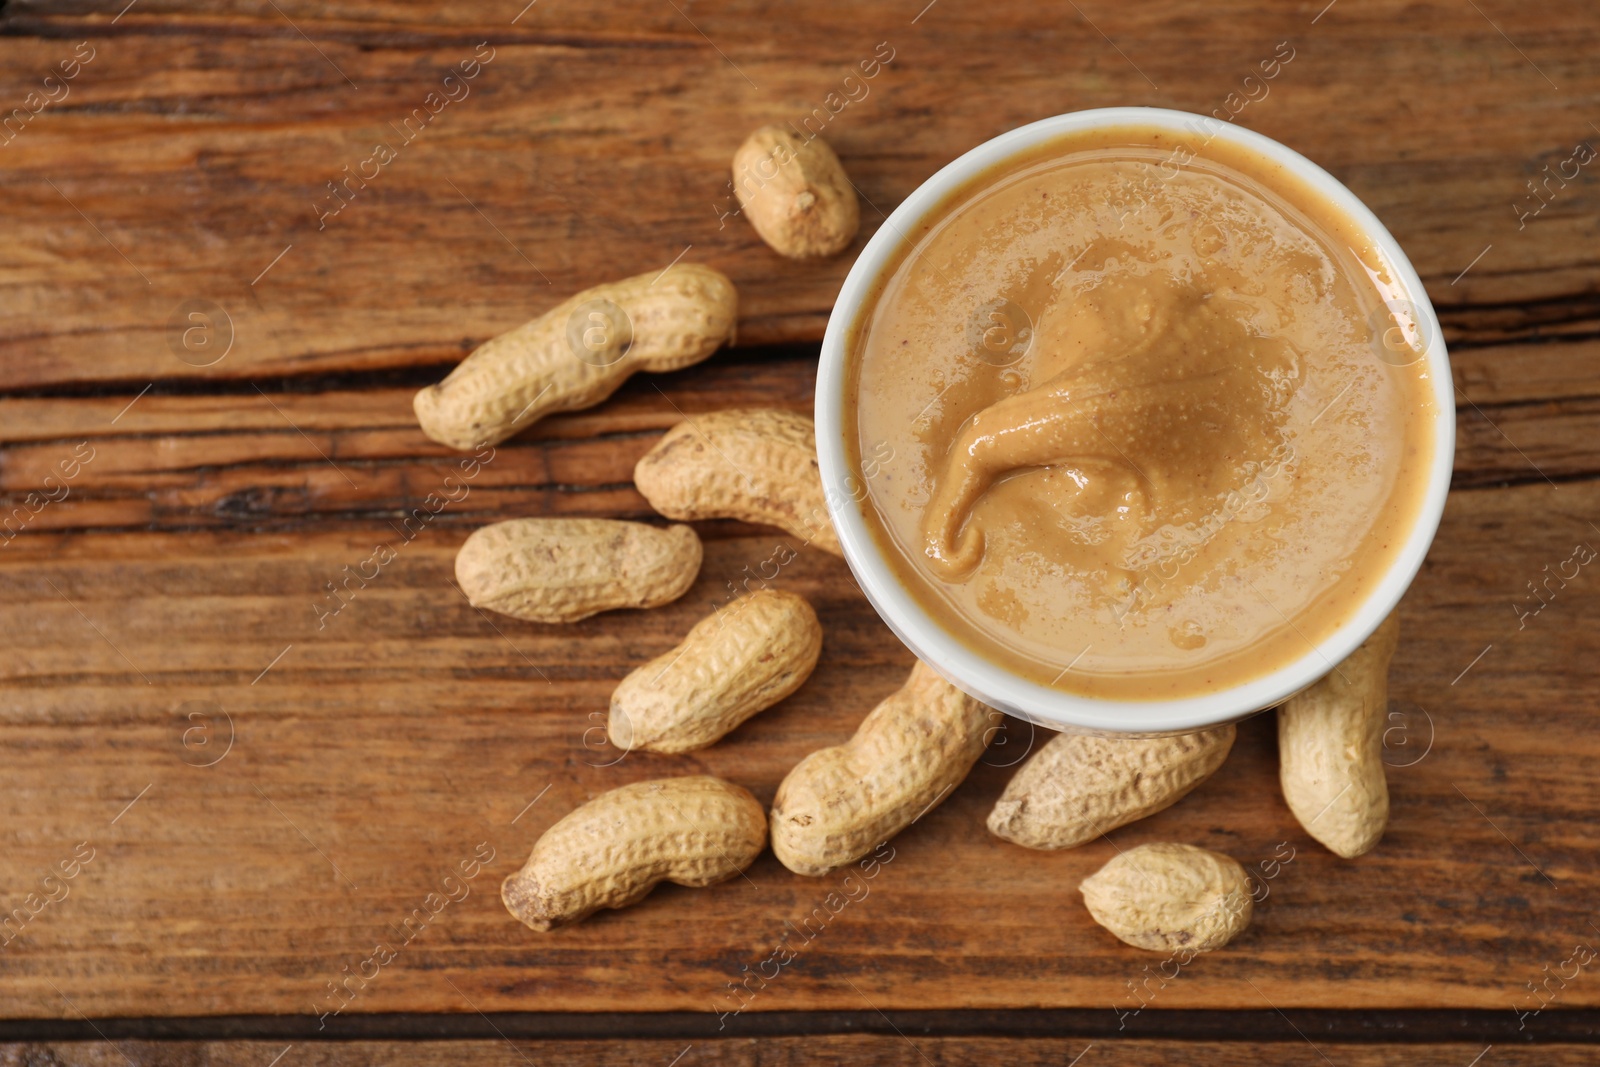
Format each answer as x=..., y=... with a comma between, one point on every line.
x=375, y=753
x=275, y=459
x=1509, y=373
x=841, y=1049
x=192, y=149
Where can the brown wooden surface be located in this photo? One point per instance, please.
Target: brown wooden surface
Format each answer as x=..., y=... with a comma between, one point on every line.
x=379, y=750
x=844, y=1051
x=596, y=144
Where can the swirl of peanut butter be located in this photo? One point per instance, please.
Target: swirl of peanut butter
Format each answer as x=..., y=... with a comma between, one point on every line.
x=1156, y=376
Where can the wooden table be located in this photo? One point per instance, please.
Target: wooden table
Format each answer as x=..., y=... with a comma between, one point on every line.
x=205, y=420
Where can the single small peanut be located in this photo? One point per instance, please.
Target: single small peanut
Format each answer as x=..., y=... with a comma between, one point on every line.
x=612, y=851
x=753, y=464
x=563, y=570
x=1169, y=897
x=906, y=757
x=1330, y=748
x=578, y=353
x=795, y=193
x=1078, y=787
x=740, y=660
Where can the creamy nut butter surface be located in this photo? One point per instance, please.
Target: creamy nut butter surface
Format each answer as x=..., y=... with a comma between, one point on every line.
x=1138, y=416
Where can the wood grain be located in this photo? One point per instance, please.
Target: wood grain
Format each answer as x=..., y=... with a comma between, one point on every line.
x=177, y=596
x=379, y=750
x=843, y=1050
x=266, y=458
x=193, y=149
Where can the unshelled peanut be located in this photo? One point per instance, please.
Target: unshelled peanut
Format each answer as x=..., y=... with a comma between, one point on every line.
x=754, y=464
x=906, y=757
x=1078, y=787
x=744, y=658
x=1330, y=748
x=563, y=570
x=795, y=193
x=1170, y=898
x=578, y=353
x=612, y=851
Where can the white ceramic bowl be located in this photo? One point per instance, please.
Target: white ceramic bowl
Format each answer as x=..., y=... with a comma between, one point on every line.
x=1002, y=688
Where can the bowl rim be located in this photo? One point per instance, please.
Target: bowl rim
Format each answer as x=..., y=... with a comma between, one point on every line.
x=966, y=668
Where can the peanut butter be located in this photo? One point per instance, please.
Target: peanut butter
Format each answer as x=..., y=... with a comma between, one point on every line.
x=1137, y=423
